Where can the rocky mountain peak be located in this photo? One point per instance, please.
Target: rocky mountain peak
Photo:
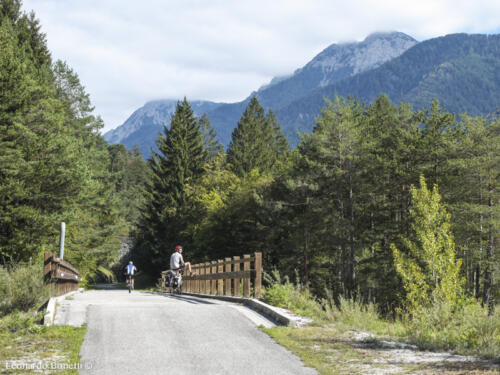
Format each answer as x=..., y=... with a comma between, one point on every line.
x=356, y=57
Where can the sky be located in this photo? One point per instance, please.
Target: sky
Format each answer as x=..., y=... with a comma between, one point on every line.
x=129, y=52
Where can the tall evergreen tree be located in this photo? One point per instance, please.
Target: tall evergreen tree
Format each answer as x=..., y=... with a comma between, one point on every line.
x=474, y=189
x=280, y=143
x=211, y=144
x=53, y=162
x=252, y=143
x=178, y=163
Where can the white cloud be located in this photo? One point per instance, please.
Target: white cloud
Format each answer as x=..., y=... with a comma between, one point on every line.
x=129, y=52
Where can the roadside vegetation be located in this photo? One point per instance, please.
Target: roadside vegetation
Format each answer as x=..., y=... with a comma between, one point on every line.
x=349, y=336
x=22, y=287
x=435, y=315
x=25, y=342
x=468, y=330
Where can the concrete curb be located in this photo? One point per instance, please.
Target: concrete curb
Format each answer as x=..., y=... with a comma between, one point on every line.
x=48, y=318
x=279, y=315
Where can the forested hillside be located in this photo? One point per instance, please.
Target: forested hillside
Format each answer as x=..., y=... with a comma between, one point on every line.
x=462, y=70
x=334, y=209
x=54, y=165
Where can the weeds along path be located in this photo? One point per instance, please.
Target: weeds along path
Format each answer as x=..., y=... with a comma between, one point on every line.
x=147, y=333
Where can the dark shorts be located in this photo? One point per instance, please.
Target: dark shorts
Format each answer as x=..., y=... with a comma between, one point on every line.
x=131, y=276
x=181, y=268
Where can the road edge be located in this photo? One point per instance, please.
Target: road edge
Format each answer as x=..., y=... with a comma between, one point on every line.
x=50, y=312
x=281, y=316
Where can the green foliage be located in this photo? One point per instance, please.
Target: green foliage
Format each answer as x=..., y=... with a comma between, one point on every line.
x=54, y=165
x=21, y=287
x=468, y=329
x=257, y=142
x=23, y=339
x=474, y=205
x=178, y=164
x=212, y=146
x=295, y=297
x=351, y=313
x=429, y=270
x=17, y=322
x=130, y=175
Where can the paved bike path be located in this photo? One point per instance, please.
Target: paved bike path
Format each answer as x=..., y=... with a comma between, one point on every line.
x=146, y=333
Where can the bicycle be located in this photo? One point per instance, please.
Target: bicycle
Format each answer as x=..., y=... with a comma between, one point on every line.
x=174, y=281
x=129, y=282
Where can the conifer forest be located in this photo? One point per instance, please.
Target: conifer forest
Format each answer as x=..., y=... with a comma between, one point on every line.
x=381, y=202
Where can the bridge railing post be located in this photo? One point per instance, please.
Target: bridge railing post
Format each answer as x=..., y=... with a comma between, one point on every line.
x=246, y=280
x=236, y=281
x=258, y=275
x=228, y=280
x=213, y=282
x=207, y=281
x=220, y=282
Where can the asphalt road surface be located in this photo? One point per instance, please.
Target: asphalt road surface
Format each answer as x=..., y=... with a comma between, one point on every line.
x=146, y=333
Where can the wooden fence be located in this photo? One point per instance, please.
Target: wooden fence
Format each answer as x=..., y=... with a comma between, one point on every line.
x=229, y=277
x=62, y=274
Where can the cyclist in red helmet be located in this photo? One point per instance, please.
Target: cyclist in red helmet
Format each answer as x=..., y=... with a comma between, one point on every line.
x=177, y=262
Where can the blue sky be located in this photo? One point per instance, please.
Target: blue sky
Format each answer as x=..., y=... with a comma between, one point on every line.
x=129, y=52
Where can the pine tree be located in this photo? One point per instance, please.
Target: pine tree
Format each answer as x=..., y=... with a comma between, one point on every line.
x=332, y=164
x=211, y=144
x=252, y=143
x=53, y=163
x=388, y=166
x=178, y=163
x=474, y=189
x=280, y=143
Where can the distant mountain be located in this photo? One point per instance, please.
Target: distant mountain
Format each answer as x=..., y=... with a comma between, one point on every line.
x=143, y=126
x=462, y=71
x=335, y=63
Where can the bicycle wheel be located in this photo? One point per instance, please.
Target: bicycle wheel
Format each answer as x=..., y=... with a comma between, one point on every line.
x=130, y=285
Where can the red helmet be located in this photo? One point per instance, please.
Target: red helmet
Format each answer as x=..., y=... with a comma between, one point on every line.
x=178, y=247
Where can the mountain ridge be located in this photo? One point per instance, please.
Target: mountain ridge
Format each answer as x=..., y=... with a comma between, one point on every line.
x=462, y=70
x=456, y=68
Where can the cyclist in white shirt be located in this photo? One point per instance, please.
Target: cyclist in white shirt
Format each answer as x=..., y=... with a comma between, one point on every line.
x=177, y=262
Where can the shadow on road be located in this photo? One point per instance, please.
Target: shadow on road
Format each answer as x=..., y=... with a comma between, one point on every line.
x=188, y=299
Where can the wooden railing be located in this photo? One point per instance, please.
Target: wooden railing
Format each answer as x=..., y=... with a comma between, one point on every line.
x=62, y=274
x=229, y=277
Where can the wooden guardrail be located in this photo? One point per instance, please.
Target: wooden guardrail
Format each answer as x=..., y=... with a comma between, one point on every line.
x=62, y=274
x=229, y=277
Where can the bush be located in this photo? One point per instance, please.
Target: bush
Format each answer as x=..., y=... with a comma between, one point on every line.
x=22, y=322
x=466, y=329
x=295, y=297
x=21, y=288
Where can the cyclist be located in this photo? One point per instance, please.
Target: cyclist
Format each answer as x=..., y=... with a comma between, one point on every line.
x=177, y=262
x=130, y=270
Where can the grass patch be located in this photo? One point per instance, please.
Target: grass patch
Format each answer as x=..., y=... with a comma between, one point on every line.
x=24, y=341
x=331, y=351
x=334, y=342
